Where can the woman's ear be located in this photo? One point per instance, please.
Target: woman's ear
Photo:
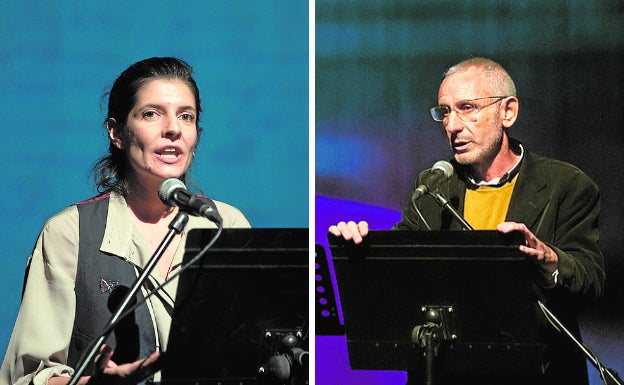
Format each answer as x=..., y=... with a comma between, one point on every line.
x=114, y=133
x=510, y=108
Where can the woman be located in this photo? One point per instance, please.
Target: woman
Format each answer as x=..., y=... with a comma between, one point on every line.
x=87, y=250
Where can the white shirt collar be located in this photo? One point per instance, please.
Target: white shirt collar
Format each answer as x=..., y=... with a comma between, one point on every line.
x=508, y=176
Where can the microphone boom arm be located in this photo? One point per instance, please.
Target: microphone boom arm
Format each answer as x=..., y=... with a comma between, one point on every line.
x=175, y=227
x=445, y=204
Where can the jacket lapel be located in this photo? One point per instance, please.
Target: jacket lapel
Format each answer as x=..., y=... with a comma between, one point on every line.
x=529, y=198
x=455, y=191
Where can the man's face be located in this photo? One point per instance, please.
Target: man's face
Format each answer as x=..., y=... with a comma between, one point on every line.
x=475, y=137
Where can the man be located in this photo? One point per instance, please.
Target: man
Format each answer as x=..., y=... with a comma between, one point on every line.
x=497, y=184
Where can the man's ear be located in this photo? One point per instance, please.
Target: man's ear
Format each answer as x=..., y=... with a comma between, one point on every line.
x=509, y=111
x=114, y=133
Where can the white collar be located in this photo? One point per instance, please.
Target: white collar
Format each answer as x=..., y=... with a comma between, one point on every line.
x=508, y=176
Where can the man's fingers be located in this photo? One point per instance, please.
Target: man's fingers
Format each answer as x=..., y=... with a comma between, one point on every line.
x=350, y=230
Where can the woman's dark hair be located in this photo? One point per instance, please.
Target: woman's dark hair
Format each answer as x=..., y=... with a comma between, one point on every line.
x=110, y=171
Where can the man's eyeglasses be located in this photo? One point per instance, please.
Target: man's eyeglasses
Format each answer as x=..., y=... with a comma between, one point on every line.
x=466, y=110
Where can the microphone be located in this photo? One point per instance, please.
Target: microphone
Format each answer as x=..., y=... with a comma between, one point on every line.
x=173, y=192
x=440, y=172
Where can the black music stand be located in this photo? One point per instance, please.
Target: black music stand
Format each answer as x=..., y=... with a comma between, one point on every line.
x=327, y=320
x=438, y=303
x=241, y=313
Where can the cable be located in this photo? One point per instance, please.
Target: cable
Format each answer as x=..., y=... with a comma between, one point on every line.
x=420, y=216
x=171, y=278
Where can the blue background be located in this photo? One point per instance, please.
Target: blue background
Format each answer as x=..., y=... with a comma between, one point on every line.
x=58, y=57
x=379, y=64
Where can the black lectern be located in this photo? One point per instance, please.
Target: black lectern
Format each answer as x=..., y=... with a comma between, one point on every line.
x=241, y=312
x=327, y=321
x=449, y=302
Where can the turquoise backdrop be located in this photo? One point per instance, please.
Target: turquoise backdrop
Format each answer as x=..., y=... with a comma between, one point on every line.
x=58, y=57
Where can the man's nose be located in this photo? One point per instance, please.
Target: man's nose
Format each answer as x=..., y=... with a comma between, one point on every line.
x=453, y=123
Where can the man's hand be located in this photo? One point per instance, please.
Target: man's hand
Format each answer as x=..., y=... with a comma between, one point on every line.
x=350, y=230
x=536, y=250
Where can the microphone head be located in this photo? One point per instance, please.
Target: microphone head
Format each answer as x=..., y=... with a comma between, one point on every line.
x=445, y=167
x=439, y=172
x=166, y=189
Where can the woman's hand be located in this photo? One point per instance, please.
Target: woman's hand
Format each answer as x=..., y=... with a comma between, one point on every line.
x=108, y=372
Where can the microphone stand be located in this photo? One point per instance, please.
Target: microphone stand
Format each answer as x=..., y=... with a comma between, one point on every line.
x=442, y=201
x=175, y=227
x=612, y=379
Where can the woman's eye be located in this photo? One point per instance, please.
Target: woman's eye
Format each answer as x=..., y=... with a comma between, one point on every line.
x=150, y=114
x=187, y=117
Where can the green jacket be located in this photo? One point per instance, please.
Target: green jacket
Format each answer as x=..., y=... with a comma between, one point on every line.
x=560, y=204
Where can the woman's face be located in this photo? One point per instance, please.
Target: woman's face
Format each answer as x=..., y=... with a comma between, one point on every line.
x=161, y=132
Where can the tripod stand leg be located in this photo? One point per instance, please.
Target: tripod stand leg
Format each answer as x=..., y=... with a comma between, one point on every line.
x=426, y=336
x=430, y=357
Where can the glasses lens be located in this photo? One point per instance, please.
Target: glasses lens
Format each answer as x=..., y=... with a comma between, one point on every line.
x=438, y=113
